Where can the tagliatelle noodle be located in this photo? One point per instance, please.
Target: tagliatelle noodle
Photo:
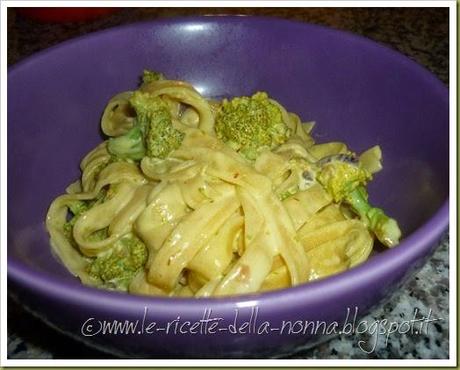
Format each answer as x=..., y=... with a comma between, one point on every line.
x=213, y=223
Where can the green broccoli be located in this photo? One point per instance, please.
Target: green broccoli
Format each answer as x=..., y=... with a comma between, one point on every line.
x=153, y=115
x=152, y=134
x=77, y=208
x=116, y=268
x=150, y=76
x=251, y=124
x=386, y=229
x=129, y=145
x=340, y=178
x=345, y=181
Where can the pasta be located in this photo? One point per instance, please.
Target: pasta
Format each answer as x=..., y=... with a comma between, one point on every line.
x=190, y=212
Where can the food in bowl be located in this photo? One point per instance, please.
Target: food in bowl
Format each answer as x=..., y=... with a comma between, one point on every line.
x=197, y=197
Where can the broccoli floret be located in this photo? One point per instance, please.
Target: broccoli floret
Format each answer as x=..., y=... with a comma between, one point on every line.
x=150, y=76
x=153, y=116
x=251, y=124
x=346, y=182
x=77, y=208
x=162, y=139
x=152, y=135
x=341, y=178
x=128, y=146
x=116, y=268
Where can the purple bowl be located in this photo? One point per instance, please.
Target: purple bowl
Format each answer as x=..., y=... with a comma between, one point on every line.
x=356, y=90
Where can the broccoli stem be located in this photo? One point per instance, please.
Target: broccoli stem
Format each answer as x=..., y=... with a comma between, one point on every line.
x=385, y=228
x=128, y=146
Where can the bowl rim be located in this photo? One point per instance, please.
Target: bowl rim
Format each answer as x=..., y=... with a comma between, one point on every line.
x=414, y=246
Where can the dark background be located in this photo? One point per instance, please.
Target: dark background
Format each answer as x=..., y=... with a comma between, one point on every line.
x=420, y=33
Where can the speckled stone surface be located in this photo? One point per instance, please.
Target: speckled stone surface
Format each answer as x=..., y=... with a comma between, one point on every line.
x=420, y=33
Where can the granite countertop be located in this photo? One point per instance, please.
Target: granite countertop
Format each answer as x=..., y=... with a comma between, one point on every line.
x=420, y=33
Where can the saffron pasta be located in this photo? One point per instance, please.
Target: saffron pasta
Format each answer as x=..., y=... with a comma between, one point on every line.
x=196, y=212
